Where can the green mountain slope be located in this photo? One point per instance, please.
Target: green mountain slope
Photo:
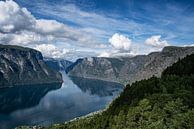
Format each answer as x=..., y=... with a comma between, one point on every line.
x=155, y=103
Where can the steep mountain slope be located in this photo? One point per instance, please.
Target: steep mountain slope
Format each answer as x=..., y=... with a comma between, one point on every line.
x=22, y=66
x=182, y=67
x=128, y=69
x=154, y=103
x=57, y=64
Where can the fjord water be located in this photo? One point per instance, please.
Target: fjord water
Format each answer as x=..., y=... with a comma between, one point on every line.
x=54, y=103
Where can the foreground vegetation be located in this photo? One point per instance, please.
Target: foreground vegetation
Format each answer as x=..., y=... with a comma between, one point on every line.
x=156, y=103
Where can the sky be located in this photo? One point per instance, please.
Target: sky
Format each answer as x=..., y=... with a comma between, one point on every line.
x=72, y=29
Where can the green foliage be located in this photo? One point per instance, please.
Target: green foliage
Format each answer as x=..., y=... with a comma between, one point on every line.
x=182, y=67
x=155, y=103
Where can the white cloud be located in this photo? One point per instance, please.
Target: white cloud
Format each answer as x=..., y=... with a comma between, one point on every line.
x=19, y=27
x=14, y=18
x=50, y=50
x=189, y=45
x=121, y=46
x=155, y=41
x=116, y=53
x=104, y=54
x=48, y=26
x=120, y=42
x=61, y=31
x=17, y=22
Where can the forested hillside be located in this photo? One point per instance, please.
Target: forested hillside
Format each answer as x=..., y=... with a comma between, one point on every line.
x=166, y=102
x=182, y=67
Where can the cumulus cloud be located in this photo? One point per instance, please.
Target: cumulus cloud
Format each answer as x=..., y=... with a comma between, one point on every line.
x=19, y=27
x=120, y=42
x=16, y=22
x=50, y=50
x=121, y=46
x=14, y=18
x=155, y=41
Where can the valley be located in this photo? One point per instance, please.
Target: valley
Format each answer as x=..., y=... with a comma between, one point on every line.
x=96, y=64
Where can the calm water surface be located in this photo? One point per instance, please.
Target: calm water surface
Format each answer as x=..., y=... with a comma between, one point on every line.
x=54, y=103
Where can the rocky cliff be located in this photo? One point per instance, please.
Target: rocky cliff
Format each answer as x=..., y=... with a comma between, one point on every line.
x=128, y=69
x=24, y=66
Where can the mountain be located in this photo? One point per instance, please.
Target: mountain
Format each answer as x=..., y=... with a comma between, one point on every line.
x=24, y=66
x=154, y=103
x=125, y=69
x=58, y=64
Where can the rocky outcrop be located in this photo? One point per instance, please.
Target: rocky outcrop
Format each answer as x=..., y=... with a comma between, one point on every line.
x=24, y=66
x=128, y=69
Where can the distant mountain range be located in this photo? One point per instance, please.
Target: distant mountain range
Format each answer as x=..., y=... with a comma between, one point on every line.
x=24, y=66
x=128, y=69
x=58, y=64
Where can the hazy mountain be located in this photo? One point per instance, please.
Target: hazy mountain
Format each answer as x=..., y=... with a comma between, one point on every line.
x=57, y=64
x=22, y=66
x=125, y=69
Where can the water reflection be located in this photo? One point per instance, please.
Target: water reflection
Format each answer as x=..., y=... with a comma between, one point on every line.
x=97, y=87
x=48, y=104
x=22, y=97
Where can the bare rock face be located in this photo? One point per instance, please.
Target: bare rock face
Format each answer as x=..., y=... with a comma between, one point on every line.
x=96, y=68
x=128, y=69
x=24, y=66
x=159, y=61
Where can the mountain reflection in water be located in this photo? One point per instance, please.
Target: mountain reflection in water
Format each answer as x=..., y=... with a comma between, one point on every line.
x=22, y=97
x=54, y=103
x=97, y=87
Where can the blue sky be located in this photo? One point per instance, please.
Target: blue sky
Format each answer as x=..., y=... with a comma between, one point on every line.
x=112, y=27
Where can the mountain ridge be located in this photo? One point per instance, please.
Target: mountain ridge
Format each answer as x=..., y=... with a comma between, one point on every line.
x=126, y=69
